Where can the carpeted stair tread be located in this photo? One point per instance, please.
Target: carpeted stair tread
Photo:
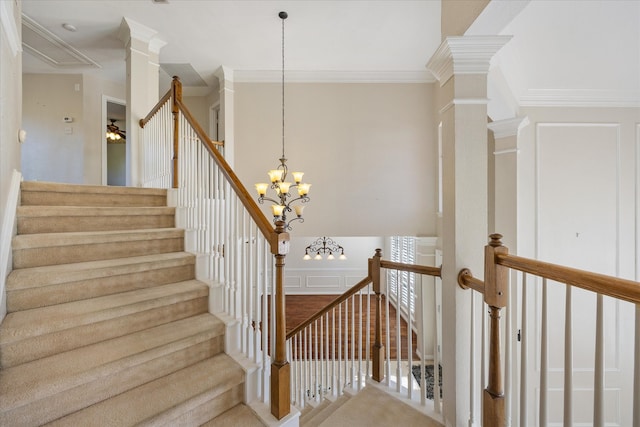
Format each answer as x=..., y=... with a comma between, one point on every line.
x=29, y=323
x=44, y=240
x=54, y=284
x=308, y=416
x=32, y=334
x=104, y=361
x=165, y=400
x=57, y=194
x=59, y=219
x=34, y=250
x=322, y=413
x=238, y=416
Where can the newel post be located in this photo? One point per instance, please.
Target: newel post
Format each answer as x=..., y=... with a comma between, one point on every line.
x=280, y=369
x=378, y=348
x=176, y=95
x=496, y=278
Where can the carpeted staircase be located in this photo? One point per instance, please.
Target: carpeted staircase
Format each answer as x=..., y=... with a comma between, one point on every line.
x=107, y=325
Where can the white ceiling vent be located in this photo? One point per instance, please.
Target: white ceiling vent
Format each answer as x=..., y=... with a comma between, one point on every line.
x=50, y=48
x=188, y=75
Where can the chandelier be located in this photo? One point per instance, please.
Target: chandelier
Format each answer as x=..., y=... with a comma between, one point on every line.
x=283, y=203
x=114, y=134
x=323, y=245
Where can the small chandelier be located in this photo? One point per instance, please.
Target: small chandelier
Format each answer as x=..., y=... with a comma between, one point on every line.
x=283, y=203
x=114, y=134
x=323, y=245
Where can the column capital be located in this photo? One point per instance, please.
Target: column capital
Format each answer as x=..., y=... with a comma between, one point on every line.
x=464, y=55
x=507, y=127
x=132, y=30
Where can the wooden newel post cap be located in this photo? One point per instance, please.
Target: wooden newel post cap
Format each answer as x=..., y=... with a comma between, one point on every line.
x=378, y=252
x=495, y=240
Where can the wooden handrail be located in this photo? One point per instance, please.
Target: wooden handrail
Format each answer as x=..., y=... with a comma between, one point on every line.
x=412, y=268
x=155, y=109
x=342, y=298
x=615, y=287
x=266, y=228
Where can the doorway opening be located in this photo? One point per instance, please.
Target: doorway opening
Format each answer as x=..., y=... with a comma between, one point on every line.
x=114, y=147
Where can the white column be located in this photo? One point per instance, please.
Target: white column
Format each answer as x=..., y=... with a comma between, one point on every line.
x=226, y=117
x=142, y=48
x=461, y=65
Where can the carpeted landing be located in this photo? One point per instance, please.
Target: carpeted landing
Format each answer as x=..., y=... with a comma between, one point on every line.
x=373, y=407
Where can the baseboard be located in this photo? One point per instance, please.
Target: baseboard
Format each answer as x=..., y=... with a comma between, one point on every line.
x=7, y=232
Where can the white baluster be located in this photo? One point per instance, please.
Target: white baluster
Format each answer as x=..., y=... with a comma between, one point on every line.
x=410, y=296
x=543, y=358
x=568, y=361
x=472, y=365
x=339, y=377
x=360, y=341
x=598, y=382
x=524, y=358
x=398, y=334
x=636, y=371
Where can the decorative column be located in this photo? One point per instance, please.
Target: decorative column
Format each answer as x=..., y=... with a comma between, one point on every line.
x=142, y=48
x=461, y=65
x=226, y=116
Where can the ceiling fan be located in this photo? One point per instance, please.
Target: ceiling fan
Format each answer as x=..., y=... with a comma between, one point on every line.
x=114, y=134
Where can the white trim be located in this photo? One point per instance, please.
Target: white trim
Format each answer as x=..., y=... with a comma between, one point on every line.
x=6, y=235
x=579, y=98
x=8, y=23
x=464, y=101
x=464, y=55
x=508, y=127
x=507, y=151
x=308, y=76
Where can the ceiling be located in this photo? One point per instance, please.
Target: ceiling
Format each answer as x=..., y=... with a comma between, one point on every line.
x=576, y=52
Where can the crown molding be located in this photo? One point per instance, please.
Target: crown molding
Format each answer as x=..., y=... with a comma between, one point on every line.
x=508, y=127
x=464, y=55
x=308, y=76
x=130, y=29
x=579, y=98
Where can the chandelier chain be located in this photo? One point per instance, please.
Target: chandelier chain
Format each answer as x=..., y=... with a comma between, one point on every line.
x=283, y=18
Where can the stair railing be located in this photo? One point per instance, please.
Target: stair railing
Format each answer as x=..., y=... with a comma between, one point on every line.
x=230, y=235
x=498, y=398
x=353, y=339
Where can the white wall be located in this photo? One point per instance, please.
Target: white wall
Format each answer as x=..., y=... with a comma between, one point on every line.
x=324, y=276
x=116, y=173
x=578, y=183
x=369, y=151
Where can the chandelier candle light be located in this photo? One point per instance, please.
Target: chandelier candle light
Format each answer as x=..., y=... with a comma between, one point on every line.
x=324, y=245
x=283, y=204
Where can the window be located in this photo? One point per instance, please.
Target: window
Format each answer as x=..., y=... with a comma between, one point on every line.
x=402, y=249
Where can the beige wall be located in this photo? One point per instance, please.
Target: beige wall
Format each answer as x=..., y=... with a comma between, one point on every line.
x=369, y=151
x=58, y=151
x=54, y=150
x=458, y=15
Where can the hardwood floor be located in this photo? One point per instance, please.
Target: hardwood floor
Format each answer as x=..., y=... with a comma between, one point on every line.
x=345, y=318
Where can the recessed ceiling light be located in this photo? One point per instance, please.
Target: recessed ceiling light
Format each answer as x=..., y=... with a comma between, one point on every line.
x=161, y=1
x=69, y=27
